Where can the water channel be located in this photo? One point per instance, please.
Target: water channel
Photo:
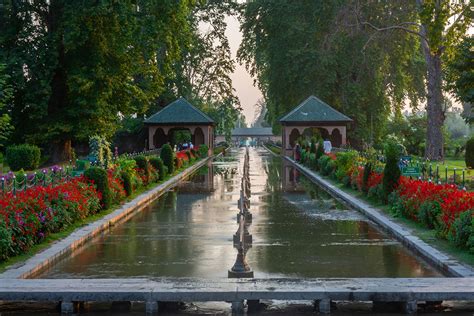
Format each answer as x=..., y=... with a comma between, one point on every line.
x=298, y=231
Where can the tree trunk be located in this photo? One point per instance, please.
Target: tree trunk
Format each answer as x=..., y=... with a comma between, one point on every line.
x=434, y=109
x=61, y=151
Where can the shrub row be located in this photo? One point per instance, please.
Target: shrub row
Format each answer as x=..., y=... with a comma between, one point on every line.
x=445, y=208
x=29, y=216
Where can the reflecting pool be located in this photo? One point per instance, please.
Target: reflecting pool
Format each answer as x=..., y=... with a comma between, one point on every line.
x=298, y=231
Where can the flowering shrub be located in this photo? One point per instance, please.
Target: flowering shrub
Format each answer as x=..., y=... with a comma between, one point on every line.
x=29, y=216
x=117, y=190
x=445, y=208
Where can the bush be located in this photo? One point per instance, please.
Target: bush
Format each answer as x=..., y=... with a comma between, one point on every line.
x=82, y=165
x=127, y=182
x=330, y=167
x=428, y=214
x=313, y=147
x=469, y=158
x=345, y=162
x=5, y=241
x=203, y=151
x=376, y=192
x=23, y=156
x=167, y=155
x=322, y=163
x=143, y=165
x=391, y=171
x=127, y=165
x=461, y=229
x=320, y=150
x=365, y=179
x=101, y=181
x=159, y=165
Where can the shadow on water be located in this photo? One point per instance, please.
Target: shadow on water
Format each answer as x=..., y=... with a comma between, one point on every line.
x=298, y=231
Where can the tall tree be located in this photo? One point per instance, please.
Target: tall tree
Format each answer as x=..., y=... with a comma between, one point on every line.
x=202, y=74
x=76, y=65
x=295, y=49
x=439, y=25
x=5, y=97
x=460, y=76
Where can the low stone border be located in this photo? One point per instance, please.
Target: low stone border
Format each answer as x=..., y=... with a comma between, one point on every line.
x=79, y=237
x=271, y=151
x=439, y=260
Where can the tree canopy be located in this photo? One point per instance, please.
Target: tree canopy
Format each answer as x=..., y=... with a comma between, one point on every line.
x=318, y=48
x=77, y=67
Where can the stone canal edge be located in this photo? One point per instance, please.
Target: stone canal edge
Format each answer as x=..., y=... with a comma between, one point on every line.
x=72, y=243
x=438, y=259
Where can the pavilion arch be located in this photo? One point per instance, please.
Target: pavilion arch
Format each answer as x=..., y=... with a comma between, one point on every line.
x=336, y=138
x=310, y=114
x=198, y=136
x=293, y=137
x=159, y=138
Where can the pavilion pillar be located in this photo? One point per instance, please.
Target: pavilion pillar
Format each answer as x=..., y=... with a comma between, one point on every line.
x=151, y=134
x=343, y=134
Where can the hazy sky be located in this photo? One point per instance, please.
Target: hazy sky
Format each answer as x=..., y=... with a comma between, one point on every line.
x=241, y=79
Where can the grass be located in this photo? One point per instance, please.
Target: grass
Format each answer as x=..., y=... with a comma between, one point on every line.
x=425, y=234
x=50, y=239
x=274, y=149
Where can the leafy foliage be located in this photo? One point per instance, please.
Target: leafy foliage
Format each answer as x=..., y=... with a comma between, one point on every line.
x=167, y=155
x=100, y=179
x=460, y=74
x=100, y=150
x=6, y=93
x=203, y=151
x=76, y=68
x=159, y=165
x=470, y=153
x=331, y=60
x=391, y=170
x=127, y=182
x=23, y=156
x=144, y=166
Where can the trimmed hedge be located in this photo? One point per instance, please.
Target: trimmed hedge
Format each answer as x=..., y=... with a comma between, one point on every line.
x=142, y=163
x=391, y=171
x=159, y=165
x=469, y=158
x=167, y=155
x=23, y=156
x=203, y=151
x=127, y=182
x=101, y=182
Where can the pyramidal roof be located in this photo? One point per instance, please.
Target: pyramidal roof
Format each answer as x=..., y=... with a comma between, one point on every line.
x=314, y=110
x=179, y=112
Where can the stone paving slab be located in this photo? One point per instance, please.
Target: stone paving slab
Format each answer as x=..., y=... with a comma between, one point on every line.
x=438, y=259
x=194, y=290
x=76, y=239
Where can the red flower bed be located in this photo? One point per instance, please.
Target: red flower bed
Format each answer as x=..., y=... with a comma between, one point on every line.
x=452, y=200
x=374, y=180
x=29, y=216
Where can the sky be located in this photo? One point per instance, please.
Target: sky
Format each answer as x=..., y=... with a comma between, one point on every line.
x=241, y=79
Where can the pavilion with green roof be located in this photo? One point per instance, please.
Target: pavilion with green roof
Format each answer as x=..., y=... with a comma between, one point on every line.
x=313, y=113
x=180, y=115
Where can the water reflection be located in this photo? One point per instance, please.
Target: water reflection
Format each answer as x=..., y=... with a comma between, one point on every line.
x=298, y=231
